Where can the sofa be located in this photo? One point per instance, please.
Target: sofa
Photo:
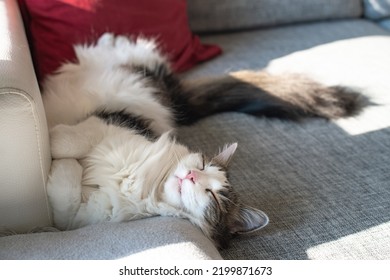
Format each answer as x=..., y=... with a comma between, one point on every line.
x=324, y=184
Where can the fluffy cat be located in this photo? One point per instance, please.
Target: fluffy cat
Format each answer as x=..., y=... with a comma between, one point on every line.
x=112, y=114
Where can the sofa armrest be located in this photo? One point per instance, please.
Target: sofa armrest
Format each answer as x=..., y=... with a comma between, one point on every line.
x=24, y=142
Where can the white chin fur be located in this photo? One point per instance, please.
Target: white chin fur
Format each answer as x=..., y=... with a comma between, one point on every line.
x=171, y=194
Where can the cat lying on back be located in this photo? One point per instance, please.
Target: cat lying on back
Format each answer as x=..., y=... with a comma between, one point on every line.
x=112, y=114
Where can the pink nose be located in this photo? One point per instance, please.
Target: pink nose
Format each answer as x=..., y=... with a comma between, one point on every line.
x=191, y=176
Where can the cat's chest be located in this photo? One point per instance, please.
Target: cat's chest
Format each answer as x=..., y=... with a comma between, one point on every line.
x=130, y=180
x=129, y=167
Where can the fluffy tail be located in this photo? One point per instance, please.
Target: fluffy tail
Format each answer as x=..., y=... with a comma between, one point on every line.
x=261, y=94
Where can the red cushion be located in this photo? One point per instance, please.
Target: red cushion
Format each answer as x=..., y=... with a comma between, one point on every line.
x=56, y=25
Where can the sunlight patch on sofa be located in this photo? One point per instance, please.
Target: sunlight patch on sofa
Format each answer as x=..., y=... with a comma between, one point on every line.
x=361, y=63
x=174, y=251
x=372, y=119
x=356, y=62
x=371, y=243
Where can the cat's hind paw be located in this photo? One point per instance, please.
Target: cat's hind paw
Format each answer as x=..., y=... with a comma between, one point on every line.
x=106, y=40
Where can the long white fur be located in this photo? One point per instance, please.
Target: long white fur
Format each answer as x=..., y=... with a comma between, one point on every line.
x=64, y=190
x=102, y=77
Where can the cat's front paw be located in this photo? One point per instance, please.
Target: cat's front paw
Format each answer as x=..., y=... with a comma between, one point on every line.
x=64, y=190
x=65, y=142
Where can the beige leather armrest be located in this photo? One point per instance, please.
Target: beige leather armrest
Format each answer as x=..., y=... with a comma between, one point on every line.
x=24, y=142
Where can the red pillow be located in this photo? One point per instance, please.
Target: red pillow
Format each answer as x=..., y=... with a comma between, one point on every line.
x=56, y=25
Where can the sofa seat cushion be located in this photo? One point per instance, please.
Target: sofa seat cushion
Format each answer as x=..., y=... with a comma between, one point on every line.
x=385, y=23
x=257, y=49
x=157, y=238
x=324, y=185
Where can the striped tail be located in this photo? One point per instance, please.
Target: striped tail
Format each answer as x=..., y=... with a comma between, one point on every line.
x=261, y=94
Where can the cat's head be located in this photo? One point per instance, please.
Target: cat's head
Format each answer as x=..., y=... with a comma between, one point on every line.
x=200, y=187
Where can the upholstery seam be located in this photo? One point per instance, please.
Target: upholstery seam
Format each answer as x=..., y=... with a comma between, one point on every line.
x=23, y=94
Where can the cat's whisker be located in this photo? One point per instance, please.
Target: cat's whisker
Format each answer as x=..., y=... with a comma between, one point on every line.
x=176, y=157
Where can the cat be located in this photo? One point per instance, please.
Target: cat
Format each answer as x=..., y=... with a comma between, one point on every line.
x=112, y=115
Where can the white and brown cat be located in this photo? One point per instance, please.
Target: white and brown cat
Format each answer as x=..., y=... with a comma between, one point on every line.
x=112, y=116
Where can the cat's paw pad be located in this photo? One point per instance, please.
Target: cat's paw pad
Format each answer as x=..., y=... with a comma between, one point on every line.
x=140, y=52
x=123, y=42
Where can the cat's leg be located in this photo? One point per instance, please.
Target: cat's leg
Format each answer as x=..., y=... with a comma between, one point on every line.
x=123, y=51
x=99, y=206
x=141, y=53
x=64, y=191
x=75, y=141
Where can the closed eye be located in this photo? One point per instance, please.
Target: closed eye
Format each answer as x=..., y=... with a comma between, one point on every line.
x=215, y=198
x=203, y=163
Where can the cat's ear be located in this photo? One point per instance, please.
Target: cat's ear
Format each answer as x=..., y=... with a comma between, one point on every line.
x=248, y=220
x=224, y=157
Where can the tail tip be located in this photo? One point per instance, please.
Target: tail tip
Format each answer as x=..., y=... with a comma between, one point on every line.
x=348, y=102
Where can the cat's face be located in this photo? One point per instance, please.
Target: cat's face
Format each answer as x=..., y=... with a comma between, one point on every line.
x=200, y=187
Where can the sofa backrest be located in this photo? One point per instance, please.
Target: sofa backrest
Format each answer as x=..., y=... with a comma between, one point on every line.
x=229, y=15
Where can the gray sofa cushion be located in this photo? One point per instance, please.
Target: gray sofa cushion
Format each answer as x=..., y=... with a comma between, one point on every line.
x=325, y=185
x=385, y=23
x=158, y=238
x=258, y=49
x=326, y=191
x=222, y=15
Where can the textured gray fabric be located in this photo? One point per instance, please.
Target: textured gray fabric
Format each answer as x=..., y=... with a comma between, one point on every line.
x=257, y=49
x=377, y=9
x=156, y=238
x=222, y=15
x=316, y=182
x=385, y=23
x=325, y=185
